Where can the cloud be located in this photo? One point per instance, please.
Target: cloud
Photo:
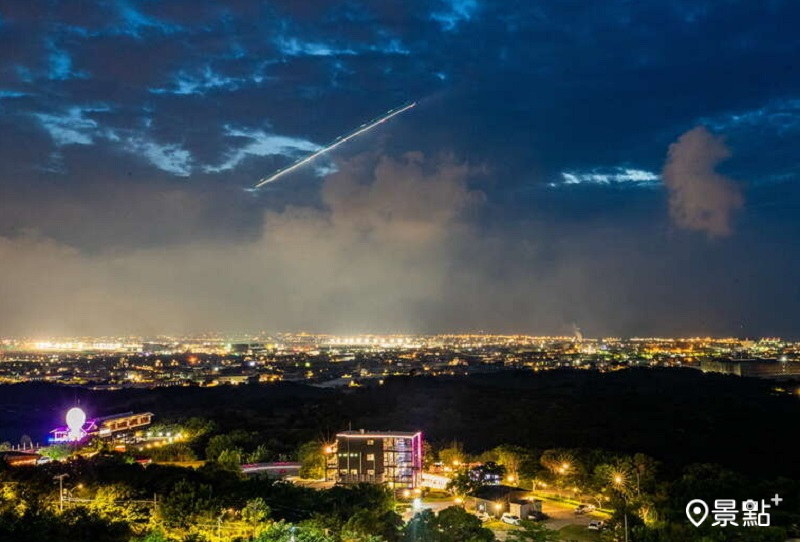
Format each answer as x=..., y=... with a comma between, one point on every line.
x=260, y=143
x=207, y=80
x=378, y=250
x=71, y=128
x=608, y=176
x=171, y=158
x=297, y=47
x=700, y=198
x=454, y=13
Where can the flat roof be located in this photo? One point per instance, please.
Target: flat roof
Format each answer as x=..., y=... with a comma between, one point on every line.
x=378, y=434
x=122, y=415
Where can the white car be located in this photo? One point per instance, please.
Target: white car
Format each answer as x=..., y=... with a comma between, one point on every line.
x=585, y=508
x=596, y=525
x=510, y=519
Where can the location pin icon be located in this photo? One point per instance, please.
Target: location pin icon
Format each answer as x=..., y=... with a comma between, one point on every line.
x=697, y=511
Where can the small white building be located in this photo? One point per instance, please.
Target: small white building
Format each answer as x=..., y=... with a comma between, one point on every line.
x=435, y=481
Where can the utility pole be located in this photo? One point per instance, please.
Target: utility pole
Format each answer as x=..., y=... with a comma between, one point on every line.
x=625, y=512
x=60, y=478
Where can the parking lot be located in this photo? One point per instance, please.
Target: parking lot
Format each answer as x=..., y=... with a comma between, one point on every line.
x=561, y=515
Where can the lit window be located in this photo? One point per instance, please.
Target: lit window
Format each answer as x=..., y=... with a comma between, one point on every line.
x=371, y=472
x=370, y=457
x=353, y=471
x=370, y=442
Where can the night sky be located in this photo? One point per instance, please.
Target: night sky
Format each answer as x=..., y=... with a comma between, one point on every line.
x=631, y=168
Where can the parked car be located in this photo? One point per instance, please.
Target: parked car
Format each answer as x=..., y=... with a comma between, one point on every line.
x=596, y=525
x=510, y=519
x=585, y=508
x=536, y=515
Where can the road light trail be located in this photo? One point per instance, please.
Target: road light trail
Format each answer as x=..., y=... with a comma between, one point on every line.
x=338, y=141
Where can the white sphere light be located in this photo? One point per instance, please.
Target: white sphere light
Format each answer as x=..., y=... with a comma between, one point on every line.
x=75, y=420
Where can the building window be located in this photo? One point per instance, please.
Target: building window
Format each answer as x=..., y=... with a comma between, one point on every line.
x=370, y=457
x=371, y=472
x=354, y=471
x=370, y=442
x=343, y=471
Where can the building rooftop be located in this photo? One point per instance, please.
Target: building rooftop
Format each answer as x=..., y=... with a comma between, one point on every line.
x=499, y=492
x=377, y=434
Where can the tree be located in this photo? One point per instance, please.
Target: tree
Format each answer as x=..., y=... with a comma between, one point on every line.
x=462, y=484
x=218, y=444
x=56, y=452
x=562, y=465
x=255, y=513
x=531, y=531
x=428, y=455
x=153, y=536
x=367, y=522
x=261, y=454
x=184, y=502
x=458, y=525
x=511, y=458
x=112, y=502
x=312, y=461
x=453, y=524
x=178, y=451
x=230, y=460
x=453, y=455
x=423, y=527
x=196, y=427
x=280, y=531
x=644, y=469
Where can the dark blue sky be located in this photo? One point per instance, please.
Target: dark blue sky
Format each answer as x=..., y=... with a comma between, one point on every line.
x=627, y=167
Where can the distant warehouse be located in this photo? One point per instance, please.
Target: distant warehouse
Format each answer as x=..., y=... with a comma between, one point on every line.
x=380, y=457
x=756, y=368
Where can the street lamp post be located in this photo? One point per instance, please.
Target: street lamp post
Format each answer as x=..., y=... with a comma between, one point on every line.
x=619, y=483
x=60, y=478
x=562, y=470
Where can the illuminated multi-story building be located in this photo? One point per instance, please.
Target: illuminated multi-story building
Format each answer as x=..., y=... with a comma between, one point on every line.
x=379, y=457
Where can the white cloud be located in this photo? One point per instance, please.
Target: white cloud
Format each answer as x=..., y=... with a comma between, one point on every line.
x=609, y=176
x=456, y=12
x=299, y=47
x=296, y=47
x=75, y=128
x=171, y=158
x=260, y=143
x=72, y=128
x=779, y=115
x=200, y=83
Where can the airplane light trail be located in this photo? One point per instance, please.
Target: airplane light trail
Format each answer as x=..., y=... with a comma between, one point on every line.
x=338, y=141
